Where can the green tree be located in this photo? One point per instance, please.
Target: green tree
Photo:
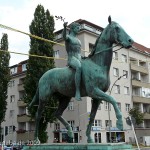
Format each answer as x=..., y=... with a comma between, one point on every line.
x=137, y=115
x=43, y=26
x=4, y=76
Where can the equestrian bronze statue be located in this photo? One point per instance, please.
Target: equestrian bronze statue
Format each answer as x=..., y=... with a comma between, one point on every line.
x=95, y=80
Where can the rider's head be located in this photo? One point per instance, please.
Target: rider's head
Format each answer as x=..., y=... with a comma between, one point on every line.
x=75, y=25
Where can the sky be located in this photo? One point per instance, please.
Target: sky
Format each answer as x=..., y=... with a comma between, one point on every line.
x=132, y=15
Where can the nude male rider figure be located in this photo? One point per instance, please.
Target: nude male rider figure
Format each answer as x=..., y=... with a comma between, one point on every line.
x=73, y=48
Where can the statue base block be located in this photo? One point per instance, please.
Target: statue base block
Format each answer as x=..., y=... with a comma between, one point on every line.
x=79, y=146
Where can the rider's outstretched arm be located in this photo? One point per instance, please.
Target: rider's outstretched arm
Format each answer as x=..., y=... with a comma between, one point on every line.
x=64, y=31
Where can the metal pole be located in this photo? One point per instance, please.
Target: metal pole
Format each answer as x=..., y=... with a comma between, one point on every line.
x=109, y=106
x=4, y=134
x=134, y=133
x=79, y=122
x=109, y=124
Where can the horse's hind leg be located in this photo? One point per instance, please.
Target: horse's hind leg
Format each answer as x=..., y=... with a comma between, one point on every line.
x=39, y=112
x=94, y=108
x=62, y=106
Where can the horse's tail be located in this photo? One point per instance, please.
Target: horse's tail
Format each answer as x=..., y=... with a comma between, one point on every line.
x=35, y=99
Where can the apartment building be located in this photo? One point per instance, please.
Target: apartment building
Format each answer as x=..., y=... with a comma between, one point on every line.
x=140, y=83
x=132, y=89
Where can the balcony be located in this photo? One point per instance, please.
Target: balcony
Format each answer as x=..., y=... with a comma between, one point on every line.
x=23, y=118
x=140, y=84
x=139, y=99
x=146, y=115
x=21, y=103
x=24, y=136
x=139, y=68
x=20, y=87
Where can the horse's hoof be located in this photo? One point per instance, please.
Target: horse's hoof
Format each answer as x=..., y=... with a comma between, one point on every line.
x=119, y=124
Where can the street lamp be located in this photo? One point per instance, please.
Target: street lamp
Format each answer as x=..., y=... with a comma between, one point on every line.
x=109, y=104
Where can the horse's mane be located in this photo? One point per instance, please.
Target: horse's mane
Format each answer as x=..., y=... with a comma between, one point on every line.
x=94, y=47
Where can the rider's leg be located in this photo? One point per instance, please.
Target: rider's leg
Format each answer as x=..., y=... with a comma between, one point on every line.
x=75, y=63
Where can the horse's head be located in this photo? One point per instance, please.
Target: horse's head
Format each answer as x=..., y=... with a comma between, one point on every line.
x=118, y=34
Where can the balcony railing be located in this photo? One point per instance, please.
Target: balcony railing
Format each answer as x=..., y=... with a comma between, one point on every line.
x=139, y=99
x=21, y=103
x=140, y=84
x=23, y=118
x=146, y=115
x=139, y=68
x=27, y=135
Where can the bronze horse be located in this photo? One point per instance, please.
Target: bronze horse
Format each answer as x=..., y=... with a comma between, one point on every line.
x=95, y=80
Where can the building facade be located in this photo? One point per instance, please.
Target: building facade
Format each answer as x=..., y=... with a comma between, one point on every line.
x=132, y=89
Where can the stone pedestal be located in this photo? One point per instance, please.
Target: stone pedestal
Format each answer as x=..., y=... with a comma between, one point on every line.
x=79, y=146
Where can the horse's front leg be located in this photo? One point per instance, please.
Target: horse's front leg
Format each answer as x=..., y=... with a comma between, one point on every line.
x=94, y=108
x=62, y=106
x=97, y=93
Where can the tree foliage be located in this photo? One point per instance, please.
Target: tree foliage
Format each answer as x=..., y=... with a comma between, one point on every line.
x=43, y=26
x=137, y=115
x=4, y=75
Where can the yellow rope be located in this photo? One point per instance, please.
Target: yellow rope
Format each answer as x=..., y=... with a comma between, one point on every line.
x=34, y=36
x=33, y=55
x=37, y=37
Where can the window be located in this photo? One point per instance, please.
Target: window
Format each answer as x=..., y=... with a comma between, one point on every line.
x=126, y=90
x=56, y=54
x=10, y=129
x=70, y=106
x=115, y=55
x=142, y=63
x=12, y=98
x=116, y=72
x=125, y=73
x=22, y=126
x=24, y=67
x=21, y=80
x=72, y=123
x=13, y=70
x=57, y=126
x=12, y=83
x=11, y=113
x=108, y=123
x=107, y=105
x=97, y=123
x=117, y=89
x=119, y=105
x=127, y=107
x=124, y=58
x=59, y=36
x=90, y=47
x=31, y=126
